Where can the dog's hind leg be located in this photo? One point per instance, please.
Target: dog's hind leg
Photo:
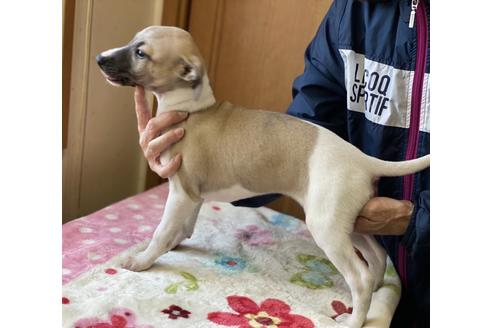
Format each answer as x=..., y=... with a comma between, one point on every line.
x=330, y=216
x=340, y=251
x=374, y=254
x=177, y=223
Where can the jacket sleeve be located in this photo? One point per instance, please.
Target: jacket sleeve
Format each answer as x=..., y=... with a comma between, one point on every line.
x=319, y=94
x=417, y=235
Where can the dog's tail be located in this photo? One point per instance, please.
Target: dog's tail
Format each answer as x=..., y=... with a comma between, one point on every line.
x=382, y=168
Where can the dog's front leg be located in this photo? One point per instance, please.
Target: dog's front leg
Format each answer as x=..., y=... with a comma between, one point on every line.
x=176, y=224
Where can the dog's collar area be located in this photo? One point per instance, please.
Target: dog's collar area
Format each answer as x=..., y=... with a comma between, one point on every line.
x=186, y=99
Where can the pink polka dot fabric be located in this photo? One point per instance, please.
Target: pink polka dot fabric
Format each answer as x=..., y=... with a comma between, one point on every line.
x=237, y=255
x=98, y=237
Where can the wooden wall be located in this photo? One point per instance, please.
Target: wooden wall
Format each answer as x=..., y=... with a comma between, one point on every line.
x=254, y=50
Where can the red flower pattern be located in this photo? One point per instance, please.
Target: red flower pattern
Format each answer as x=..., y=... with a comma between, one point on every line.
x=118, y=318
x=111, y=271
x=270, y=313
x=175, y=311
x=339, y=309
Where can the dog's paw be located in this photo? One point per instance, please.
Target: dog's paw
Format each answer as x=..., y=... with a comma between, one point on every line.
x=343, y=321
x=137, y=263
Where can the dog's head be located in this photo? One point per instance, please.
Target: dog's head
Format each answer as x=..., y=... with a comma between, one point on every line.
x=159, y=58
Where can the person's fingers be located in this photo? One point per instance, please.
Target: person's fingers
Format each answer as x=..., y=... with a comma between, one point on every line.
x=160, y=123
x=165, y=120
x=371, y=207
x=394, y=227
x=141, y=108
x=170, y=168
x=384, y=216
x=367, y=226
x=161, y=143
x=383, y=206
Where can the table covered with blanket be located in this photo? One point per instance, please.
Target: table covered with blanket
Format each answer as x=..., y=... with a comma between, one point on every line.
x=242, y=267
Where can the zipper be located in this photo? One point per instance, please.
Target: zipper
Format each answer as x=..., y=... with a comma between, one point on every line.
x=413, y=134
x=411, y=21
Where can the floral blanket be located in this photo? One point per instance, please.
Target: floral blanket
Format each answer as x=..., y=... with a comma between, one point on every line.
x=242, y=268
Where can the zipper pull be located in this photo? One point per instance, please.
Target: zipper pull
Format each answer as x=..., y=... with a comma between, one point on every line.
x=411, y=22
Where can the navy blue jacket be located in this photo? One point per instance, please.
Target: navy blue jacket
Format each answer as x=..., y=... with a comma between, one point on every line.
x=366, y=78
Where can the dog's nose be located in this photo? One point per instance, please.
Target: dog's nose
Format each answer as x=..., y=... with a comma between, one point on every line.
x=100, y=59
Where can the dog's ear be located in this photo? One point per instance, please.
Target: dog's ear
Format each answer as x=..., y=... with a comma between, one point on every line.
x=190, y=69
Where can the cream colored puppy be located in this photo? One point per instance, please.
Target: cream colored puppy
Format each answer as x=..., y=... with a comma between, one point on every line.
x=231, y=153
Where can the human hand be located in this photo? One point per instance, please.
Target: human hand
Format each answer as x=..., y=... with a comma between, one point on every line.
x=384, y=216
x=156, y=135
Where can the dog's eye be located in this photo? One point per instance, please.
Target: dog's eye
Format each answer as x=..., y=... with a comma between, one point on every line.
x=140, y=54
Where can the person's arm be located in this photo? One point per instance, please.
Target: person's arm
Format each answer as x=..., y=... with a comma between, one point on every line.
x=319, y=94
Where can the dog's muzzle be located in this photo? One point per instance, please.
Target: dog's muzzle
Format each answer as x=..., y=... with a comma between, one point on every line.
x=116, y=68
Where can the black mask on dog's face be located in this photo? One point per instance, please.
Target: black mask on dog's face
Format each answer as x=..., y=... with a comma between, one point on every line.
x=117, y=66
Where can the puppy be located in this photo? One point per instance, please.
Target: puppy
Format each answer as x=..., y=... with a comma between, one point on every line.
x=231, y=153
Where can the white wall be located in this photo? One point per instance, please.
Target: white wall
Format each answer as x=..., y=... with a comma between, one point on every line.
x=102, y=162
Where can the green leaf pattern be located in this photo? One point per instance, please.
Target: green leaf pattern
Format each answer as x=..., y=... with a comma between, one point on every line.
x=316, y=273
x=190, y=283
